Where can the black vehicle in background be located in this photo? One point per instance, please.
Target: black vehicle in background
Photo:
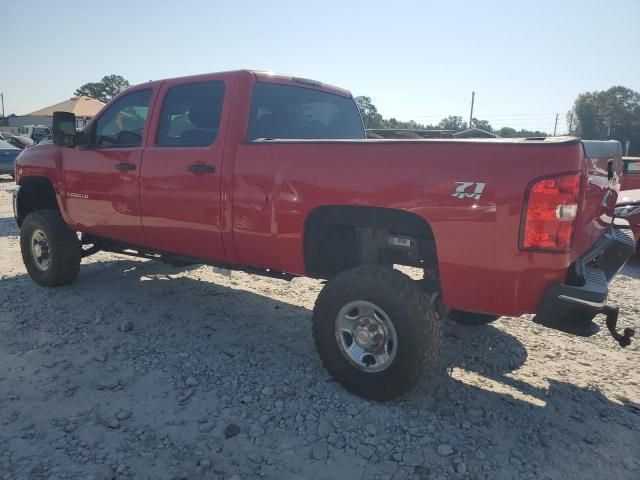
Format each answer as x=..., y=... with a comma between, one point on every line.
x=45, y=139
x=35, y=132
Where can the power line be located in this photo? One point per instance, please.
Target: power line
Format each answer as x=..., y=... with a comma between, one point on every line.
x=550, y=114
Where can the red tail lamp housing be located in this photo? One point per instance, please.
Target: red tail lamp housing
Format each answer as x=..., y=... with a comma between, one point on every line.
x=550, y=213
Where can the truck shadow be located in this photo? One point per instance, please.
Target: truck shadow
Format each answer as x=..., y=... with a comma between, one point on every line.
x=565, y=427
x=632, y=267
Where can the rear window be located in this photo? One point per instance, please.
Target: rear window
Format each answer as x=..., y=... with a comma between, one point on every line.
x=283, y=111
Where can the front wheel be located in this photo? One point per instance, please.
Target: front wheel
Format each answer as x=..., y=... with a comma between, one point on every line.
x=376, y=332
x=51, y=251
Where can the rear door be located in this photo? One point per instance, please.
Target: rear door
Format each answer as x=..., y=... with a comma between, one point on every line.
x=180, y=177
x=101, y=178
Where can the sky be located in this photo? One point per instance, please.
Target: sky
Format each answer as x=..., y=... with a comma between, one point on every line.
x=418, y=60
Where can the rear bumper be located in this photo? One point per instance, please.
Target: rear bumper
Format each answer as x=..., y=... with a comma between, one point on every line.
x=571, y=305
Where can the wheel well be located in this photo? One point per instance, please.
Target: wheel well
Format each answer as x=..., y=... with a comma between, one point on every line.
x=36, y=193
x=341, y=237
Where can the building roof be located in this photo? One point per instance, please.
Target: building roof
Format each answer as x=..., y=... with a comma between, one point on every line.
x=80, y=106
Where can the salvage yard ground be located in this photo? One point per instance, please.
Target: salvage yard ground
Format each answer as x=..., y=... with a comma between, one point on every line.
x=144, y=371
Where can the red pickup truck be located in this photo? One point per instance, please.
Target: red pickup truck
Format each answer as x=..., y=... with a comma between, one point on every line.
x=272, y=173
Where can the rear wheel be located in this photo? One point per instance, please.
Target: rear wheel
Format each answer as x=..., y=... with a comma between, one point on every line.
x=376, y=332
x=51, y=251
x=471, y=319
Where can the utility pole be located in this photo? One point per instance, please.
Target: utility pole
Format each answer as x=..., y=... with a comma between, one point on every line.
x=473, y=96
x=2, y=97
x=555, y=127
x=570, y=122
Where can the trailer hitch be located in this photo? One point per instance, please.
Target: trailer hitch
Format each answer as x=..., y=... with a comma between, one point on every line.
x=611, y=313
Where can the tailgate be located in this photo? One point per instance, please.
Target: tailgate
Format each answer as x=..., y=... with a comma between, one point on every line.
x=603, y=169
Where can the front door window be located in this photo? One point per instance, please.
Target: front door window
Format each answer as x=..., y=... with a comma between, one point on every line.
x=123, y=123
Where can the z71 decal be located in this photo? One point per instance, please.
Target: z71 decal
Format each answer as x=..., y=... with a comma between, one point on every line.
x=469, y=190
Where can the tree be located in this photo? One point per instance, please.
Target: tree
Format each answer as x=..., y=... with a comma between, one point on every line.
x=508, y=132
x=453, y=122
x=398, y=124
x=612, y=114
x=105, y=89
x=482, y=125
x=373, y=119
x=370, y=116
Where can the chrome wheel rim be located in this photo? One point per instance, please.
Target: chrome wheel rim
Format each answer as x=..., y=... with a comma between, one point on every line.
x=40, y=250
x=366, y=336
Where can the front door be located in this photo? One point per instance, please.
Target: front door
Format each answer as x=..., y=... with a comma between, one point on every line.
x=181, y=165
x=102, y=178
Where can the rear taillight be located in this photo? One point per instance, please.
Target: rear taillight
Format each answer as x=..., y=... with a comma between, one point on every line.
x=550, y=213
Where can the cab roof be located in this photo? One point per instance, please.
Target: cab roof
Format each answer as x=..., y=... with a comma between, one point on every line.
x=299, y=82
x=261, y=76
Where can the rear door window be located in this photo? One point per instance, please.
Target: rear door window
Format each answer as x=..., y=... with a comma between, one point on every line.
x=191, y=115
x=287, y=112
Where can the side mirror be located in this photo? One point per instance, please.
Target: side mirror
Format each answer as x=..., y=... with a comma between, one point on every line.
x=64, y=129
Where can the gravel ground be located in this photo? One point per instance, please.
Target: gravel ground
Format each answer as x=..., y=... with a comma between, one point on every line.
x=143, y=371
